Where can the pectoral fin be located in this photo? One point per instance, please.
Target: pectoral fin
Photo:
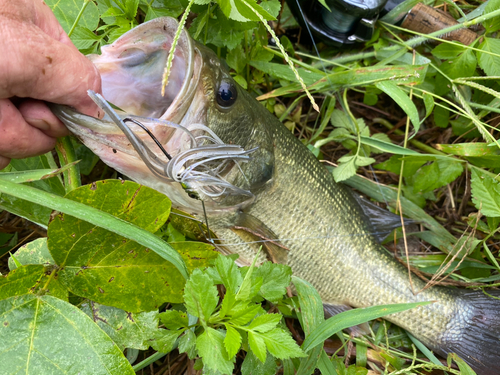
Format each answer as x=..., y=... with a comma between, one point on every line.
x=251, y=229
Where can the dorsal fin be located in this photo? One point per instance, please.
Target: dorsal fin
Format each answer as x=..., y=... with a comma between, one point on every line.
x=382, y=222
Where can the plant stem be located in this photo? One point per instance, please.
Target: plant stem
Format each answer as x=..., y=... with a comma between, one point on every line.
x=85, y=3
x=148, y=361
x=67, y=155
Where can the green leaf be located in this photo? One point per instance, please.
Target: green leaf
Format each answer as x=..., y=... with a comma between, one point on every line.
x=485, y=193
x=490, y=63
x=273, y=7
x=445, y=51
x=253, y=366
x=173, y=319
x=211, y=349
x=127, y=330
x=40, y=334
x=284, y=72
x=97, y=217
x=311, y=306
x=107, y=268
x=468, y=149
x=352, y=318
x=66, y=13
x=187, y=343
x=242, y=312
x=402, y=99
x=34, y=252
x=162, y=8
x=386, y=146
x=164, y=340
x=492, y=24
x=464, y=65
x=346, y=169
x=229, y=273
x=437, y=174
x=21, y=281
x=84, y=38
x=362, y=161
x=265, y=323
x=257, y=345
x=462, y=366
x=232, y=341
x=428, y=102
x=237, y=59
x=281, y=345
x=200, y=295
x=441, y=117
x=276, y=278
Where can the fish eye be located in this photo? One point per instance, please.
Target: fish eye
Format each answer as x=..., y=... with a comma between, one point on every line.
x=226, y=94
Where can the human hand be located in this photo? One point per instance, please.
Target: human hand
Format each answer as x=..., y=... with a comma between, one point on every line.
x=38, y=63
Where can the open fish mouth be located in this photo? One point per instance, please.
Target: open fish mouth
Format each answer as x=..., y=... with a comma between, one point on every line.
x=176, y=147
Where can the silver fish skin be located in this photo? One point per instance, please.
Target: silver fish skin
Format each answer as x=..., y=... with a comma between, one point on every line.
x=297, y=211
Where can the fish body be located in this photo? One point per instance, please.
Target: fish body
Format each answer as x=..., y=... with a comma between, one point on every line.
x=292, y=206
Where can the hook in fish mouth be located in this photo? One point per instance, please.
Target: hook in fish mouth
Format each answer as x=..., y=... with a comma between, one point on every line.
x=199, y=169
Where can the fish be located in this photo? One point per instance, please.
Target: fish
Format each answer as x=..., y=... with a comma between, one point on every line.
x=265, y=188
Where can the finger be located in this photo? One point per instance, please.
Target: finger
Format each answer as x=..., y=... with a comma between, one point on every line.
x=37, y=66
x=18, y=139
x=4, y=162
x=38, y=115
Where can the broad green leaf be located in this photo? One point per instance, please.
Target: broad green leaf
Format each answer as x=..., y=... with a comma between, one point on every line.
x=492, y=24
x=127, y=330
x=311, y=306
x=445, y=51
x=362, y=161
x=264, y=323
x=242, y=312
x=339, y=119
x=276, y=278
x=281, y=345
x=352, y=318
x=107, y=268
x=34, y=252
x=232, y=341
x=22, y=280
x=249, y=9
x=345, y=170
x=84, y=38
x=237, y=59
x=97, y=217
x=429, y=103
x=487, y=161
x=402, y=99
x=490, y=63
x=187, y=343
x=437, y=174
x=229, y=273
x=164, y=340
x=41, y=333
x=210, y=345
x=173, y=319
x=200, y=295
x=252, y=365
x=162, y=8
x=464, y=65
x=485, y=193
x=441, y=117
x=273, y=7
x=67, y=11
x=468, y=149
x=257, y=345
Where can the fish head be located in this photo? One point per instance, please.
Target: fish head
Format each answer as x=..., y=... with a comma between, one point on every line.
x=201, y=100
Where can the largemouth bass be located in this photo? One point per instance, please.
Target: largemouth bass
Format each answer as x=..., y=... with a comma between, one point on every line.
x=279, y=196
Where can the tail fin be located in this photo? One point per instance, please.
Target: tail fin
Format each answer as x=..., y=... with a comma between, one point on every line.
x=474, y=334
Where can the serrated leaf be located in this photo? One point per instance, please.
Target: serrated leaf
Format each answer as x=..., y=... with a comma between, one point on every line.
x=66, y=13
x=173, y=319
x=490, y=63
x=200, y=295
x=162, y=8
x=437, y=174
x=34, y=252
x=485, y=194
x=127, y=330
x=345, y=170
x=362, y=161
x=273, y=7
x=40, y=334
x=257, y=345
x=276, y=278
x=211, y=349
x=402, y=99
x=21, y=280
x=232, y=341
x=447, y=51
x=281, y=345
x=265, y=323
x=340, y=120
x=252, y=365
x=492, y=24
x=243, y=312
x=229, y=273
x=187, y=343
x=164, y=340
x=464, y=65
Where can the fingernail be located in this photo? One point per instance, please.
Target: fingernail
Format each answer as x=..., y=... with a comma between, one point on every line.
x=39, y=123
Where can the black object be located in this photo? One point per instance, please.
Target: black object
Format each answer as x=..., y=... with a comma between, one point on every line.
x=349, y=21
